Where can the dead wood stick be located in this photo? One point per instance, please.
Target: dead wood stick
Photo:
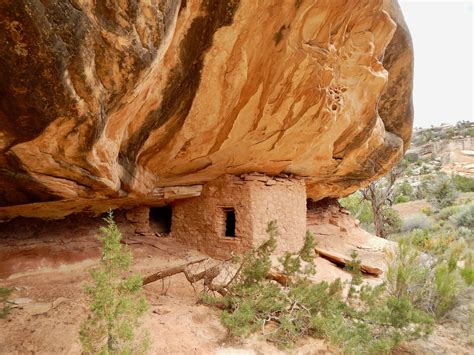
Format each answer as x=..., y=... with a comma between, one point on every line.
x=279, y=277
x=169, y=272
x=133, y=242
x=208, y=275
x=342, y=260
x=192, y=278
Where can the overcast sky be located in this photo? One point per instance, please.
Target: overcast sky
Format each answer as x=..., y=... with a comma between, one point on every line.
x=442, y=33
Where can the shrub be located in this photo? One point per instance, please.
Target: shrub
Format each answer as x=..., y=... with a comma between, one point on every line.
x=446, y=288
x=420, y=238
x=467, y=272
x=115, y=305
x=466, y=234
x=443, y=193
x=464, y=183
x=447, y=212
x=405, y=274
x=422, y=189
x=427, y=241
x=440, y=244
x=391, y=221
x=416, y=221
x=429, y=283
x=369, y=321
x=427, y=211
x=411, y=157
x=403, y=192
x=402, y=199
x=425, y=169
x=358, y=207
x=464, y=218
x=5, y=292
x=426, y=136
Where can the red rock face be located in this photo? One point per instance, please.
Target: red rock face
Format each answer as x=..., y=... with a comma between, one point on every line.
x=112, y=99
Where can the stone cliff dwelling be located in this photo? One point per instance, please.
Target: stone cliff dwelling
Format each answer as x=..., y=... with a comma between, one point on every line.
x=231, y=215
x=157, y=123
x=197, y=123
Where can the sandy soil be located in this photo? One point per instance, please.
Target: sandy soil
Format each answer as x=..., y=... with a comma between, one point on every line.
x=408, y=209
x=48, y=266
x=49, y=323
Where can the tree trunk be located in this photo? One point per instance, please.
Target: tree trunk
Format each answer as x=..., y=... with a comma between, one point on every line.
x=378, y=220
x=208, y=276
x=169, y=272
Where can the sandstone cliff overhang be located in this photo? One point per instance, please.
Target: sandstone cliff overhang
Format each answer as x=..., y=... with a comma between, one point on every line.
x=112, y=100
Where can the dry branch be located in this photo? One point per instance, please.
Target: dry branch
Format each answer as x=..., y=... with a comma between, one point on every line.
x=170, y=272
x=279, y=277
x=342, y=260
x=208, y=275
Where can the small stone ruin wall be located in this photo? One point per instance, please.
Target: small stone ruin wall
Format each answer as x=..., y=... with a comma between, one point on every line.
x=256, y=199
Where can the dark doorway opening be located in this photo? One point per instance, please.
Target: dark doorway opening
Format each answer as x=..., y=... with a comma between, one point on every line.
x=160, y=219
x=229, y=214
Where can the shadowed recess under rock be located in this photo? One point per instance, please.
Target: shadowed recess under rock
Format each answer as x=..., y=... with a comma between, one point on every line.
x=114, y=101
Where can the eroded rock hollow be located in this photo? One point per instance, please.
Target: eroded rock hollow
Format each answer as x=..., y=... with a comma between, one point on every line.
x=118, y=99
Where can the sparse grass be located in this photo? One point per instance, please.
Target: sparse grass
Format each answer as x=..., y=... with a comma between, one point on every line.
x=5, y=292
x=464, y=217
x=447, y=212
x=416, y=221
x=467, y=271
x=463, y=183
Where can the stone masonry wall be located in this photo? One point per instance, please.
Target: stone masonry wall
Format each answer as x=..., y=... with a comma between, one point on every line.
x=285, y=202
x=139, y=218
x=257, y=199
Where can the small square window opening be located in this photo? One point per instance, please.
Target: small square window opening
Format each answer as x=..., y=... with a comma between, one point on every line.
x=229, y=215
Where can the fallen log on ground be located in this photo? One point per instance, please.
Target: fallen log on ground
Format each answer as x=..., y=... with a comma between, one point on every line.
x=208, y=275
x=169, y=272
x=342, y=260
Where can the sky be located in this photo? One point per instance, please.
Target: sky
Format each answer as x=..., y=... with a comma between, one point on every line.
x=442, y=32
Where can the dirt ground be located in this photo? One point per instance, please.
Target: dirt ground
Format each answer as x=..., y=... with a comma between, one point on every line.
x=53, y=303
x=47, y=264
x=407, y=209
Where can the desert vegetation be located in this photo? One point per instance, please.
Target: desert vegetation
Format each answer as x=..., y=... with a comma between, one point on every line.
x=433, y=225
x=115, y=302
x=352, y=316
x=4, y=305
x=278, y=299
